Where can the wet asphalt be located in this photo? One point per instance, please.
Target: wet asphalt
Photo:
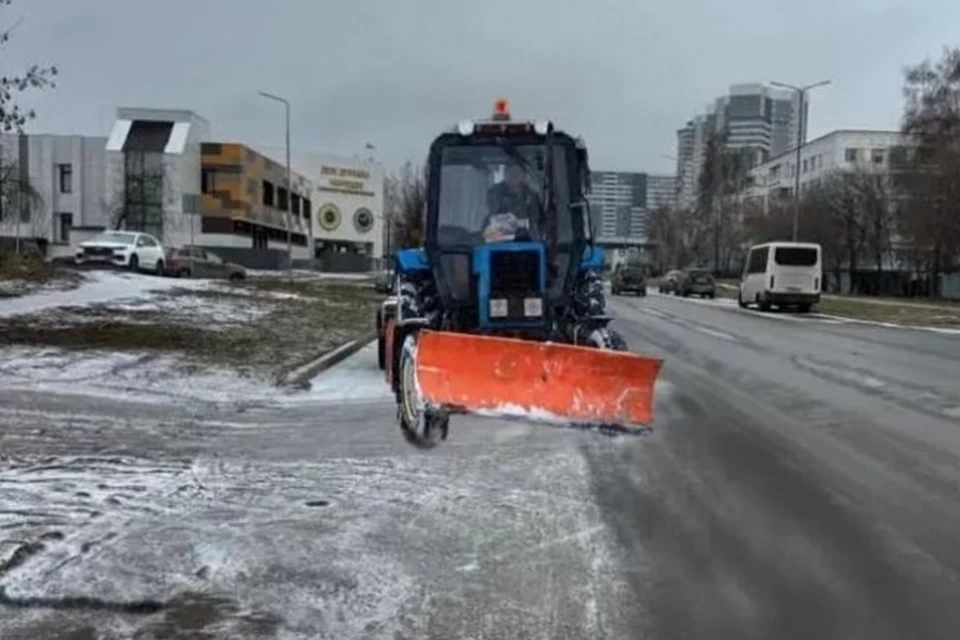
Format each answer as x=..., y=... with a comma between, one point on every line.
x=803, y=481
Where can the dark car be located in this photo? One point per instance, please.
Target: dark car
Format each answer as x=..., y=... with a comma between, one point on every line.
x=629, y=277
x=697, y=282
x=670, y=282
x=197, y=262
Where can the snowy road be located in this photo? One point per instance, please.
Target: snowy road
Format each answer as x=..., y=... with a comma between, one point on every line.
x=803, y=482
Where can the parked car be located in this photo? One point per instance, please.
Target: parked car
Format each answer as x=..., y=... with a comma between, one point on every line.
x=629, y=277
x=130, y=249
x=698, y=282
x=668, y=284
x=197, y=262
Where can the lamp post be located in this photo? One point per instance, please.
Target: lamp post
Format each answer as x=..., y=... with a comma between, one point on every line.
x=286, y=105
x=801, y=94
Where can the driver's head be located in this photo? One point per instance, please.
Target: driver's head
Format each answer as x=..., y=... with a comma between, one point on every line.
x=513, y=175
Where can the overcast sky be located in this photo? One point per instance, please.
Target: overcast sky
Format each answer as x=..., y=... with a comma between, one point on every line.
x=625, y=74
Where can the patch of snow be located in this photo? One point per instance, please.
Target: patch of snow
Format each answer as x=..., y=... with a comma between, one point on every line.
x=100, y=287
x=304, y=274
x=210, y=311
x=888, y=325
x=357, y=378
x=139, y=377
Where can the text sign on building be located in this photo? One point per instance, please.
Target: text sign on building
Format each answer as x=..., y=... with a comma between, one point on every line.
x=345, y=180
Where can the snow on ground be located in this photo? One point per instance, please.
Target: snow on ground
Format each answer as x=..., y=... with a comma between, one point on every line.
x=211, y=312
x=358, y=378
x=131, y=376
x=12, y=288
x=99, y=287
x=304, y=274
x=339, y=547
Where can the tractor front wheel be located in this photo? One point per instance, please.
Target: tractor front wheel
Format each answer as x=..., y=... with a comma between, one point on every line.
x=422, y=427
x=606, y=339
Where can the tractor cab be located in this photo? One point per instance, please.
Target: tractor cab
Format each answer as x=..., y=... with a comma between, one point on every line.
x=506, y=219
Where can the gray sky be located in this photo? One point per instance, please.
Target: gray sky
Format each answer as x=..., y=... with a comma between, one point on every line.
x=625, y=74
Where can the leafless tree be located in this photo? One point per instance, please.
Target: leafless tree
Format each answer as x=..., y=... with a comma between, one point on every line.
x=405, y=203
x=929, y=174
x=12, y=116
x=20, y=203
x=724, y=176
x=157, y=188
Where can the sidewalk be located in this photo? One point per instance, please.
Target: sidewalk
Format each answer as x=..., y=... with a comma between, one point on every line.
x=945, y=305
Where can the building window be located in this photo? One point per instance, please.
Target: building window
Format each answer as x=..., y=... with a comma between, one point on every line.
x=295, y=204
x=65, y=223
x=806, y=164
x=267, y=193
x=208, y=183
x=850, y=155
x=144, y=189
x=66, y=178
x=877, y=156
x=282, y=203
x=305, y=208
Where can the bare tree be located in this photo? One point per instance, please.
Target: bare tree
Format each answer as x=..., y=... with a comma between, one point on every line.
x=12, y=116
x=928, y=174
x=146, y=191
x=20, y=202
x=724, y=176
x=405, y=196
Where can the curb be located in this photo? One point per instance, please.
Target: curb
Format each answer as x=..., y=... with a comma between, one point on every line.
x=300, y=376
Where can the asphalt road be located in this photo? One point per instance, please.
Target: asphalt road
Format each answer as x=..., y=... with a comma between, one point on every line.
x=803, y=481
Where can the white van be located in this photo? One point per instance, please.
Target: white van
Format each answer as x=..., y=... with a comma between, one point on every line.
x=782, y=274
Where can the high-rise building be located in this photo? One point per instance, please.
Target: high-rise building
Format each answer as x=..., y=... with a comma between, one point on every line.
x=759, y=120
x=691, y=146
x=661, y=192
x=618, y=204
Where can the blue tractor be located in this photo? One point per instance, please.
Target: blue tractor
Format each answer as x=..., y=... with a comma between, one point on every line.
x=502, y=310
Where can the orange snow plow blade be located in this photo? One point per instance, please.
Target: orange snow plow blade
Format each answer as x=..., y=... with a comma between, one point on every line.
x=537, y=380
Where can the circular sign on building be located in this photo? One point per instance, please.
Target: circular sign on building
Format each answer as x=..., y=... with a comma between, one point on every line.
x=329, y=216
x=363, y=220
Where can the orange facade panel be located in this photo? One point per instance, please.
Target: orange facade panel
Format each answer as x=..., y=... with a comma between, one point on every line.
x=233, y=177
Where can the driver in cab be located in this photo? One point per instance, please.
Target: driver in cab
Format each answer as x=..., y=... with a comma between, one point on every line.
x=514, y=207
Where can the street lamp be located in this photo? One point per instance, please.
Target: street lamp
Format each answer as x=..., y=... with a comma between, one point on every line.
x=286, y=105
x=801, y=92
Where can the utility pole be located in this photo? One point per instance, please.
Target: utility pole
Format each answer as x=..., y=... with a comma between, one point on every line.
x=801, y=131
x=286, y=105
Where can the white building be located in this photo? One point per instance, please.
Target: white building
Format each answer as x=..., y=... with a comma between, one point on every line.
x=841, y=150
x=67, y=173
x=153, y=172
x=347, y=196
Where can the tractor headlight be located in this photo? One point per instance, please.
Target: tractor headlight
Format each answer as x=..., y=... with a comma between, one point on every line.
x=498, y=308
x=533, y=307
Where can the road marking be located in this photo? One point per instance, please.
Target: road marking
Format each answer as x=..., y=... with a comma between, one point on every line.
x=655, y=313
x=714, y=333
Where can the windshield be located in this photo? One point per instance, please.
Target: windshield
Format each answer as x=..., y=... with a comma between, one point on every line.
x=795, y=256
x=493, y=192
x=116, y=237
